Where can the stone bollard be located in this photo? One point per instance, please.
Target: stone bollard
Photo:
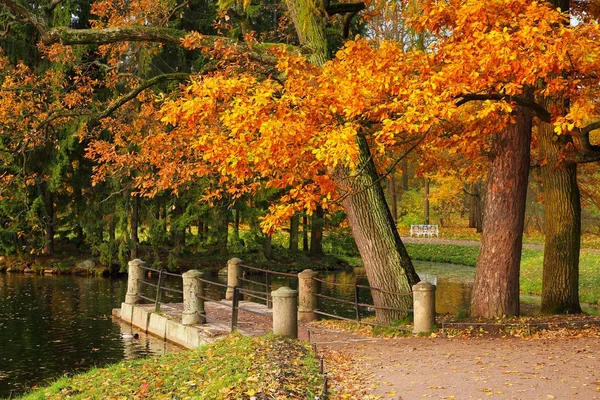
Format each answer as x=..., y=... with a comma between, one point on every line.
x=285, y=312
x=307, y=291
x=134, y=277
x=424, y=307
x=193, y=304
x=234, y=271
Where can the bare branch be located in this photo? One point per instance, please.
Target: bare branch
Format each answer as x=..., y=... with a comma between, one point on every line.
x=179, y=7
x=540, y=111
x=145, y=85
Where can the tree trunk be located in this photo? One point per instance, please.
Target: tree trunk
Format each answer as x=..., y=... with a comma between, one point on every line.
x=496, y=288
x=562, y=224
x=385, y=258
x=316, y=233
x=294, y=222
x=562, y=227
x=268, y=247
x=135, y=217
x=49, y=231
x=405, y=174
x=386, y=261
x=305, y=233
x=310, y=28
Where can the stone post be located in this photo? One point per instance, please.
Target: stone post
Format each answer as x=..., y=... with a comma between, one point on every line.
x=234, y=271
x=307, y=299
x=285, y=312
x=193, y=304
x=134, y=277
x=424, y=307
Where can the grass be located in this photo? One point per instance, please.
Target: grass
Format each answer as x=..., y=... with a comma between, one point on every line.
x=235, y=367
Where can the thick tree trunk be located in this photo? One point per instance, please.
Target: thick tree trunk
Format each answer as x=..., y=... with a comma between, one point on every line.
x=496, y=288
x=385, y=258
x=49, y=231
x=294, y=222
x=316, y=233
x=135, y=217
x=562, y=227
x=310, y=28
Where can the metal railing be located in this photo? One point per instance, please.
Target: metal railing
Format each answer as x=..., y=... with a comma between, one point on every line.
x=355, y=302
x=266, y=283
x=264, y=295
x=159, y=286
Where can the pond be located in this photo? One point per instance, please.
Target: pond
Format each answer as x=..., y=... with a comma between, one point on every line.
x=51, y=325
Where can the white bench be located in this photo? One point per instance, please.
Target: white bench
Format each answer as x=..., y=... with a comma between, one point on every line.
x=424, y=230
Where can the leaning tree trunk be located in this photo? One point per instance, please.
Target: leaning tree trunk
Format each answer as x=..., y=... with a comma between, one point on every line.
x=562, y=227
x=384, y=256
x=386, y=261
x=496, y=288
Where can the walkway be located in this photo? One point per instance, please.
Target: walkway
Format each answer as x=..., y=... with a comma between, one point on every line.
x=553, y=367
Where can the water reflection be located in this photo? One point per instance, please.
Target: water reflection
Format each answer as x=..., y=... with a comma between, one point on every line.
x=51, y=325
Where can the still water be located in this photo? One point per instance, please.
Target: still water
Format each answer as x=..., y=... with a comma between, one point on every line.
x=51, y=325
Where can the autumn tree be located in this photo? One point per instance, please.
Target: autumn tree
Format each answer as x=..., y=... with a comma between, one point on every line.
x=523, y=45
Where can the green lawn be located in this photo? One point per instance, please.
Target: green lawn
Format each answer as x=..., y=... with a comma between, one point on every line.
x=233, y=368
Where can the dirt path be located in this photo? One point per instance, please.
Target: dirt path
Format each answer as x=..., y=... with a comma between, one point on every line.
x=472, y=368
x=408, y=239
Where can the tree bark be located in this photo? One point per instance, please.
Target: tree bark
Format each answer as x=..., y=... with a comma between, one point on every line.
x=496, y=288
x=562, y=227
x=562, y=217
x=387, y=263
x=384, y=256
